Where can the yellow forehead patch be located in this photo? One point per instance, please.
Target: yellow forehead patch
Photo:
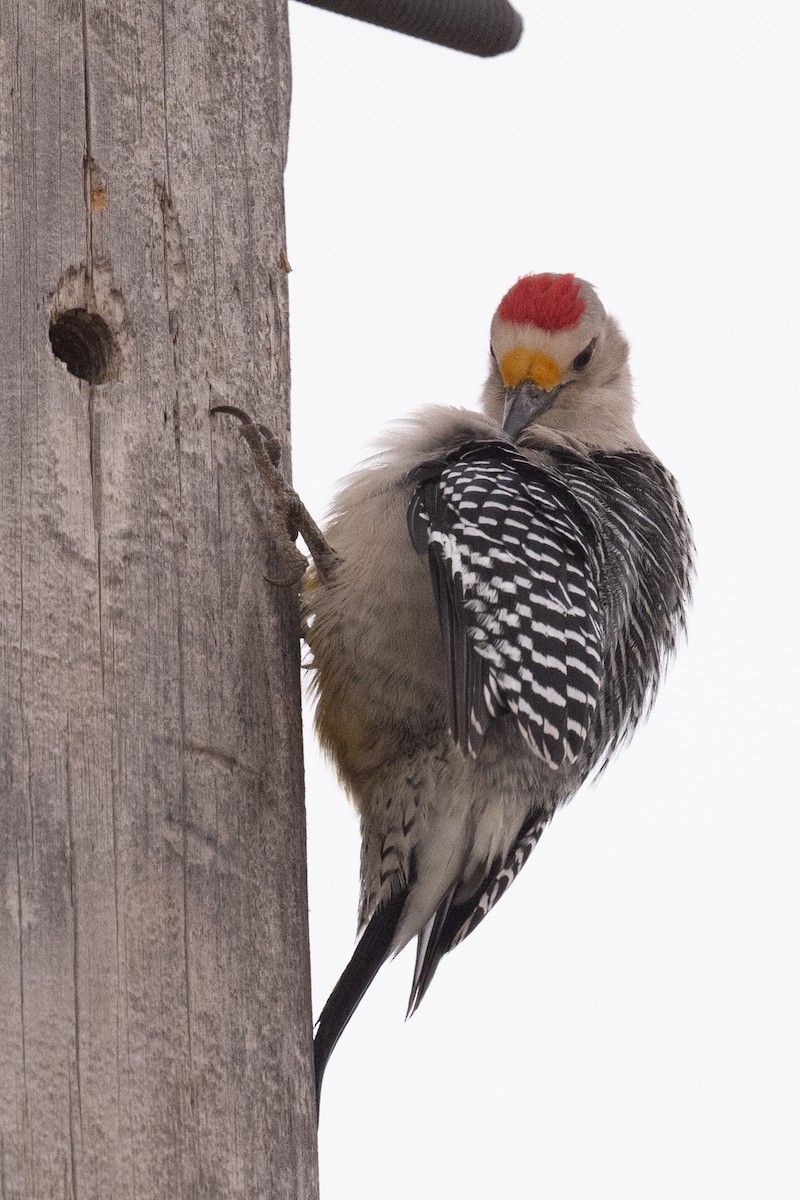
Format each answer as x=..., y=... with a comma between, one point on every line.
x=520, y=364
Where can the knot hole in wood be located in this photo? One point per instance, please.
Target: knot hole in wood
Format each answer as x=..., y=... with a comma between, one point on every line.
x=85, y=344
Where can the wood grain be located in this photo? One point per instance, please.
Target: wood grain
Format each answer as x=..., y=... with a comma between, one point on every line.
x=155, y=1027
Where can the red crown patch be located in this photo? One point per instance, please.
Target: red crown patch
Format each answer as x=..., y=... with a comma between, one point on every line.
x=548, y=301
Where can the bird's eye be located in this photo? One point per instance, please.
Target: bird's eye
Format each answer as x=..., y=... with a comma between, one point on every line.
x=491, y=351
x=585, y=357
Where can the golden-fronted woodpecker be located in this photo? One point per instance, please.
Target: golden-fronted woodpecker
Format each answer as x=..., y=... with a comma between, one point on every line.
x=506, y=591
x=490, y=611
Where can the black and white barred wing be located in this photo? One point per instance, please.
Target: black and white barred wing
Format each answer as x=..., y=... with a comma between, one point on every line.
x=647, y=573
x=515, y=578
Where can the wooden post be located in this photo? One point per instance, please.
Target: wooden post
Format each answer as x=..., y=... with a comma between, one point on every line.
x=155, y=1022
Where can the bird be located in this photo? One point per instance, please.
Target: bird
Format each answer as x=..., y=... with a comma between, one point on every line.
x=501, y=593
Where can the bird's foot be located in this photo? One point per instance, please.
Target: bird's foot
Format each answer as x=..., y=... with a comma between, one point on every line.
x=295, y=517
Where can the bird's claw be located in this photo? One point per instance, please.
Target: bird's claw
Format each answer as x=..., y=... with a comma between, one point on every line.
x=266, y=451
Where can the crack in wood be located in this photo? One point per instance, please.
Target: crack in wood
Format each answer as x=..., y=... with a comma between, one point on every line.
x=20, y=930
x=73, y=892
x=87, y=111
x=96, y=481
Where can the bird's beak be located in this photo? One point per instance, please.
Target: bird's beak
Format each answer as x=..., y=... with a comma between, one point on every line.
x=523, y=404
x=532, y=381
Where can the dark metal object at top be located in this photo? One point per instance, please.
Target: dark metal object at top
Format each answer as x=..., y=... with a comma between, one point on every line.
x=482, y=27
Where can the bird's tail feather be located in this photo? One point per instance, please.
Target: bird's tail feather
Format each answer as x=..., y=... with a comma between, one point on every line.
x=430, y=949
x=369, y=956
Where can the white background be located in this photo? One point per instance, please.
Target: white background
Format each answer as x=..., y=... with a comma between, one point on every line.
x=625, y=1024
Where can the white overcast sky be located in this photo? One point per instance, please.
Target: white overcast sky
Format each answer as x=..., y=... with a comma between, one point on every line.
x=625, y=1023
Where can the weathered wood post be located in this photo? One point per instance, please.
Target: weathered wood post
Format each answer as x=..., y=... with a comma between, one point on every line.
x=155, y=1022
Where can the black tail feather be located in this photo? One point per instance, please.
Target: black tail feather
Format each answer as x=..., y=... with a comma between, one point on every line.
x=430, y=950
x=368, y=957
